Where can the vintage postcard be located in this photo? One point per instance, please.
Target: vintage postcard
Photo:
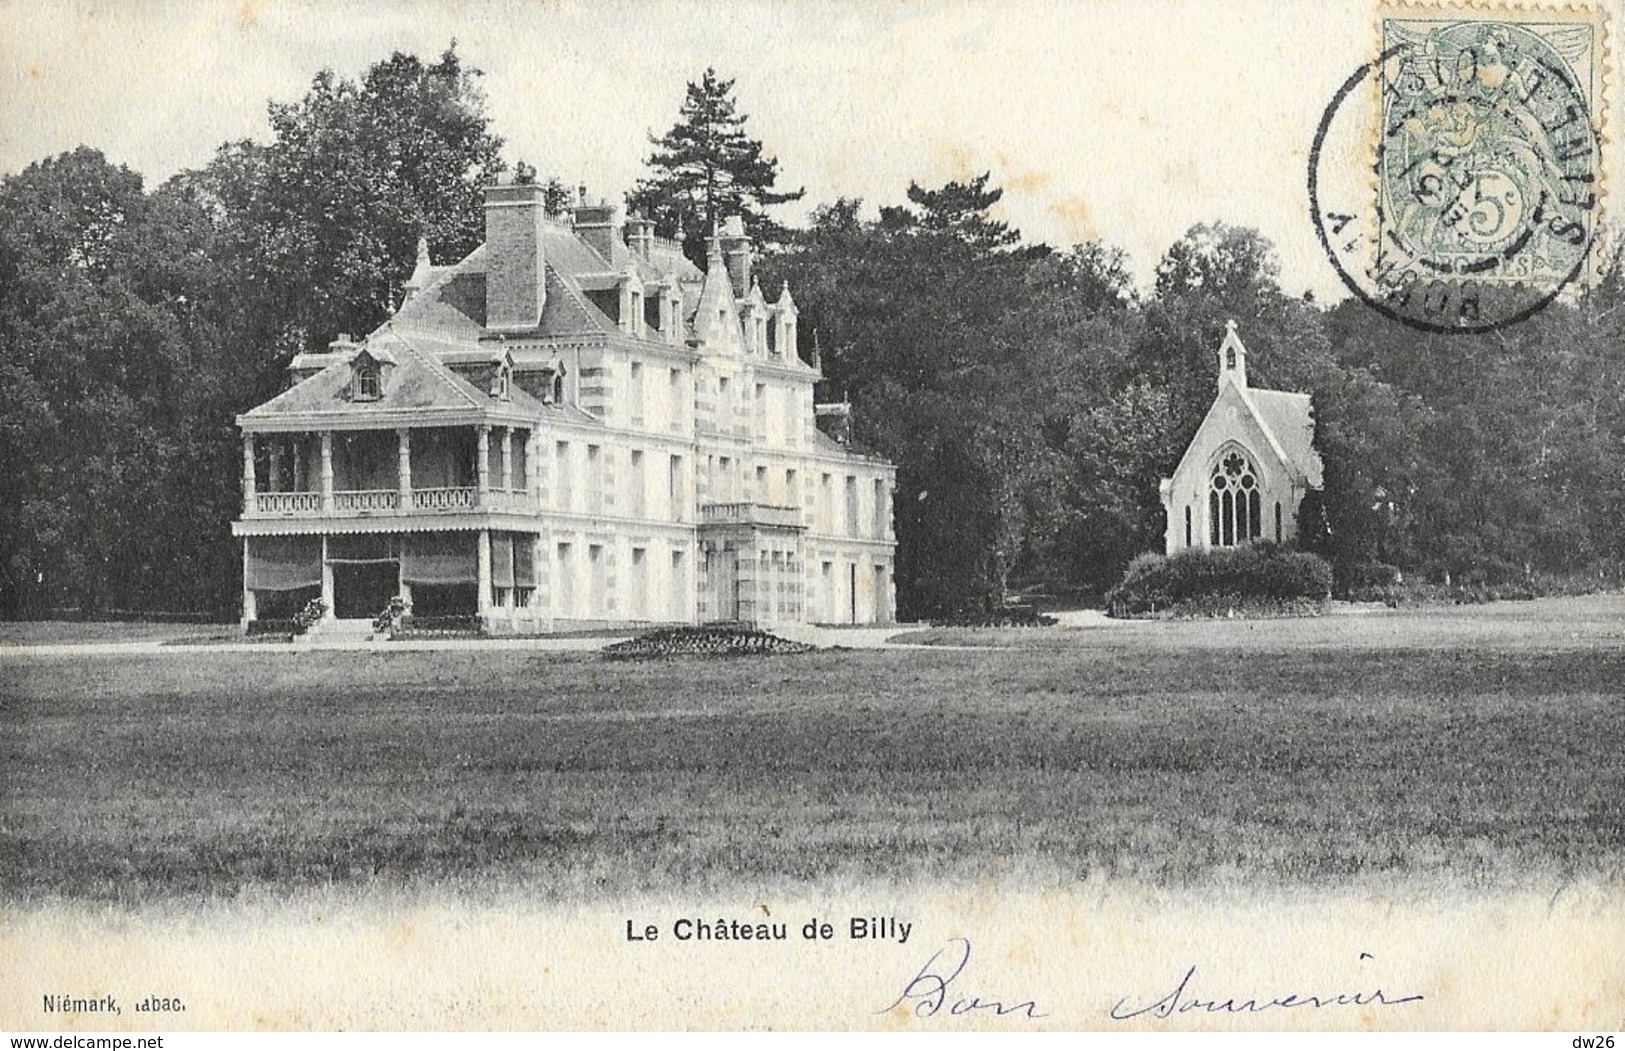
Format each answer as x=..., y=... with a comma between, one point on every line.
x=811, y=515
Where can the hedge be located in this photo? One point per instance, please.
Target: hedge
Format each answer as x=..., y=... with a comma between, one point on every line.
x=1262, y=573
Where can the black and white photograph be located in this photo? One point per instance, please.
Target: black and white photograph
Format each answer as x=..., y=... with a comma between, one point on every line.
x=808, y=515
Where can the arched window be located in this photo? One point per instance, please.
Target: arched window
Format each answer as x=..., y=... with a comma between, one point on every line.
x=368, y=385
x=1234, y=505
x=1187, y=525
x=1277, y=521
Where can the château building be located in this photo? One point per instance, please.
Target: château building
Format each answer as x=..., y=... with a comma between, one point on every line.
x=573, y=426
x=1248, y=467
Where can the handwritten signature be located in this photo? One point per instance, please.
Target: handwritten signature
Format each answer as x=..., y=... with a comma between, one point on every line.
x=928, y=991
x=1181, y=1002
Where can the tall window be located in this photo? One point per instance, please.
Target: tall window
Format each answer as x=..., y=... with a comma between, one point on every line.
x=674, y=490
x=637, y=393
x=1233, y=502
x=595, y=480
x=638, y=485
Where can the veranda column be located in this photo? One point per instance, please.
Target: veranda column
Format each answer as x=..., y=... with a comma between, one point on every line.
x=327, y=475
x=248, y=475
x=403, y=459
x=250, y=607
x=482, y=465
x=327, y=581
x=507, y=457
x=403, y=470
x=484, y=597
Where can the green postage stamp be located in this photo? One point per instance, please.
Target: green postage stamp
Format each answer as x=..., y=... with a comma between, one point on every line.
x=1488, y=141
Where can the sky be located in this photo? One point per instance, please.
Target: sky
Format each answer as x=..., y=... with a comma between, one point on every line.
x=1120, y=121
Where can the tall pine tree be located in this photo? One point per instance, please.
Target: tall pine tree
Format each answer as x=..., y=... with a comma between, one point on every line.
x=706, y=169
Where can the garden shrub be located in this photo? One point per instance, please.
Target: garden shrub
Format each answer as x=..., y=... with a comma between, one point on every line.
x=1257, y=577
x=390, y=619
x=314, y=611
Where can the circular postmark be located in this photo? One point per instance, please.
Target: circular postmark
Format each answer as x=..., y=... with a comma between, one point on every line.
x=1453, y=181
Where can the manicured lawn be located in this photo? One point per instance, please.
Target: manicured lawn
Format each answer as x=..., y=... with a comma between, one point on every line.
x=51, y=632
x=1473, y=747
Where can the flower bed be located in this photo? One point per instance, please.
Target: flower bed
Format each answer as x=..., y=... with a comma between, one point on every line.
x=442, y=626
x=712, y=641
x=280, y=629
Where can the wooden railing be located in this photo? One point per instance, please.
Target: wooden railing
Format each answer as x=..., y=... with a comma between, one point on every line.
x=459, y=499
x=366, y=500
x=287, y=503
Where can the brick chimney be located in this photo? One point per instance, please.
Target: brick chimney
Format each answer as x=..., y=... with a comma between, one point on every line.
x=516, y=271
x=595, y=224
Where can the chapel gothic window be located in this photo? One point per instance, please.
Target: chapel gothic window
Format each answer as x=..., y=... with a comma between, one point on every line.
x=1234, y=505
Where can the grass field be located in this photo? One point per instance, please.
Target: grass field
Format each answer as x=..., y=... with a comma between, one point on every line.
x=1482, y=747
x=47, y=632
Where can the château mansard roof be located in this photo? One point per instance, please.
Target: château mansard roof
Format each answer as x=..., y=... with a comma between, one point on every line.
x=451, y=305
x=417, y=383
x=458, y=323
x=451, y=309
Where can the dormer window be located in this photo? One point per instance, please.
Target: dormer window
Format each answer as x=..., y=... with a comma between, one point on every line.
x=502, y=382
x=368, y=381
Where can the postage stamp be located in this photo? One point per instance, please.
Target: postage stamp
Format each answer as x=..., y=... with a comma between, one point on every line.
x=1486, y=145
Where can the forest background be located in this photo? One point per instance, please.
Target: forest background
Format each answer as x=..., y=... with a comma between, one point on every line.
x=1031, y=395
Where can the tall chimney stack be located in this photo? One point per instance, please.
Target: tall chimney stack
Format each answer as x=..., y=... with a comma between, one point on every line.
x=736, y=255
x=516, y=272
x=640, y=234
x=595, y=224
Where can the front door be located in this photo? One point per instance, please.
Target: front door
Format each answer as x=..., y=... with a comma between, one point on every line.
x=362, y=590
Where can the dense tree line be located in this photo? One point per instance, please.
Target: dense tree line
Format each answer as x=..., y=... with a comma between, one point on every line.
x=1032, y=397
x=135, y=324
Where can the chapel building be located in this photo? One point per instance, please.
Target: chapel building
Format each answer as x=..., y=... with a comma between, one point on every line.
x=573, y=426
x=1249, y=466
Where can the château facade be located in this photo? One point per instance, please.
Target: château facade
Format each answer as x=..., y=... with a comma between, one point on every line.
x=1249, y=466
x=573, y=426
